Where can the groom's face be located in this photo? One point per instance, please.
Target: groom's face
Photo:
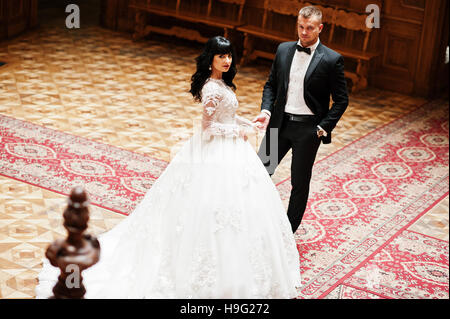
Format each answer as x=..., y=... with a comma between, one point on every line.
x=308, y=30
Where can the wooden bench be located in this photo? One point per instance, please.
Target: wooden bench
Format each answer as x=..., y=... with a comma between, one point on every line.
x=223, y=14
x=270, y=28
x=341, y=36
x=349, y=46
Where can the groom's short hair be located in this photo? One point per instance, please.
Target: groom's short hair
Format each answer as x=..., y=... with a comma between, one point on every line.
x=309, y=11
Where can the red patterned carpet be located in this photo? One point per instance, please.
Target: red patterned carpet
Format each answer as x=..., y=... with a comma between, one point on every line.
x=115, y=179
x=363, y=198
x=354, y=237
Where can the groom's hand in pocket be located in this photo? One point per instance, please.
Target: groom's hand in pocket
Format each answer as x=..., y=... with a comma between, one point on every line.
x=262, y=120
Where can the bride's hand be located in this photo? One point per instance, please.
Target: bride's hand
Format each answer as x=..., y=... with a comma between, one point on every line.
x=243, y=135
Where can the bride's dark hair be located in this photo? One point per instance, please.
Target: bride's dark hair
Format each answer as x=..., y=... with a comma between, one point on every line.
x=215, y=45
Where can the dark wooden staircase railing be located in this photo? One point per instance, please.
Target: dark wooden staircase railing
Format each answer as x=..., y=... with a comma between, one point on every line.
x=77, y=252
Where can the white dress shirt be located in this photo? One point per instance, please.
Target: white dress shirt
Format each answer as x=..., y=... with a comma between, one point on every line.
x=295, y=103
x=295, y=95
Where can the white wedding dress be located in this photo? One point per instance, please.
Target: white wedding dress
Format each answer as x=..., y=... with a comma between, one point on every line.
x=212, y=226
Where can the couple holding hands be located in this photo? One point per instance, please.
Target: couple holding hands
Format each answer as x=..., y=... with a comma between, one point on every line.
x=213, y=224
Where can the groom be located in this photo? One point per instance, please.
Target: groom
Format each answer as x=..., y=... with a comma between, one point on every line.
x=295, y=106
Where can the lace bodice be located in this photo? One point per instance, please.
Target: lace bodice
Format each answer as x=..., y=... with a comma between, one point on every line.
x=219, y=111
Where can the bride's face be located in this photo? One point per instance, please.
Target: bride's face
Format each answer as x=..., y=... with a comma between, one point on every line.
x=222, y=62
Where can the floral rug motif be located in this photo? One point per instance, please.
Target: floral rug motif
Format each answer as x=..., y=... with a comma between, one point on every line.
x=412, y=266
x=114, y=178
x=353, y=237
x=364, y=197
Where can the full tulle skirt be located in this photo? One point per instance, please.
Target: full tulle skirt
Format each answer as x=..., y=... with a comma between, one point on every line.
x=212, y=226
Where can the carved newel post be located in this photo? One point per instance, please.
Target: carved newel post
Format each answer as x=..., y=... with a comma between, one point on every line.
x=76, y=253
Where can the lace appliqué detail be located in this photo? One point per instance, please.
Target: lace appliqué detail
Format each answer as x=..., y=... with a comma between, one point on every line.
x=204, y=273
x=228, y=217
x=262, y=270
x=165, y=286
x=264, y=284
x=219, y=111
x=290, y=246
x=227, y=130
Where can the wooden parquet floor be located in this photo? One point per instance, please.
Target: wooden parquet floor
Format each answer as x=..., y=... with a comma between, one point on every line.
x=101, y=85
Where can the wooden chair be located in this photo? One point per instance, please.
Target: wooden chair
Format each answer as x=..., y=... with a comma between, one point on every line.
x=270, y=28
x=343, y=36
x=350, y=45
x=223, y=14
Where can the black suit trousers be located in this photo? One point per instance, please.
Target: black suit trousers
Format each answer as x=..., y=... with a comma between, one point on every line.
x=302, y=138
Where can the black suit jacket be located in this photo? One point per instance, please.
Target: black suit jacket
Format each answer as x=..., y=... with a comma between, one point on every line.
x=324, y=77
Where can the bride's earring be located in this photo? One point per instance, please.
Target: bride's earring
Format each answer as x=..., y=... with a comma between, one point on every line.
x=210, y=68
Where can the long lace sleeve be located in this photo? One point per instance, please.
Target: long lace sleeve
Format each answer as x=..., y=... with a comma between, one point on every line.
x=210, y=127
x=244, y=124
x=211, y=123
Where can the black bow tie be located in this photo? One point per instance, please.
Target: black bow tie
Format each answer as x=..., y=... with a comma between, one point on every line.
x=306, y=50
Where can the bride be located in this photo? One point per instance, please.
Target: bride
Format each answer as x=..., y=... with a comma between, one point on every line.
x=213, y=224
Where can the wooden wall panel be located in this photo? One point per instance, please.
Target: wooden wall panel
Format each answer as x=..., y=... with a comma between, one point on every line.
x=108, y=14
x=3, y=20
x=440, y=69
x=17, y=20
x=17, y=16
x=116, y=15
x=125, y=19
x=400, y=45
x=413, y=10
x=411, y=39
x=431, y=38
